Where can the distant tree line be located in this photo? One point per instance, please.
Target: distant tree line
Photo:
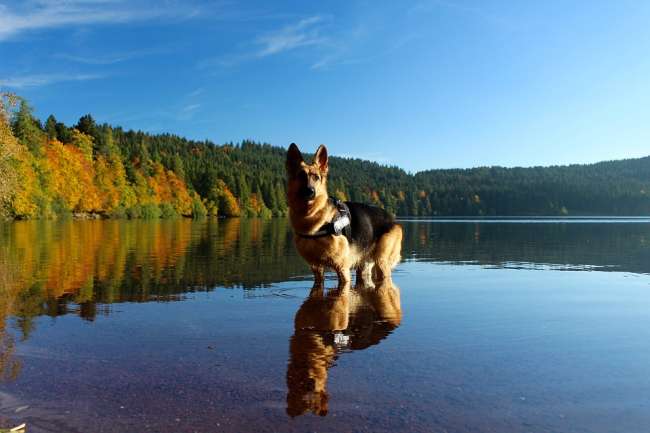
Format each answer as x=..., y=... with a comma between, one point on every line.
x=51, y=169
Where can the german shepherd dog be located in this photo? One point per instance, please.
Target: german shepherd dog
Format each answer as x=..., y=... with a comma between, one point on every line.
x=336, y=235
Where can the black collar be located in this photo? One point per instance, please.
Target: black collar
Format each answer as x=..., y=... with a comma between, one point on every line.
x=340, y=225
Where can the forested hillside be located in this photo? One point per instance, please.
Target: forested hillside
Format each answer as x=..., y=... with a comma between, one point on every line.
x=49, y=169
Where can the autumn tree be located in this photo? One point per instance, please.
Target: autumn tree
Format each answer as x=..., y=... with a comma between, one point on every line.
x=8, y=152
x=72, y=177
x=227, y=203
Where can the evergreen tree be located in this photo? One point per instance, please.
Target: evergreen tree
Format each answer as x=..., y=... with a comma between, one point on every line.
x=50, y=128
x=178, y=167
x=63, y=133
x=87, y=125
x=27, y=129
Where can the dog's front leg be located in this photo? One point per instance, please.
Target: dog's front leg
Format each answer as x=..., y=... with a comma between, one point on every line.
x=319, y=277
x=364, y=275
x=344, y=275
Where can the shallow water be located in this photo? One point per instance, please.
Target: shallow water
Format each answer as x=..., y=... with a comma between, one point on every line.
x=490, y=326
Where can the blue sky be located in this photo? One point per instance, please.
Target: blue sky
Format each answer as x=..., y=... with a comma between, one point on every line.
x=423, y=84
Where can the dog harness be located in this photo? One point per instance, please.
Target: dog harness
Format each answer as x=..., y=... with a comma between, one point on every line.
x=340, y=225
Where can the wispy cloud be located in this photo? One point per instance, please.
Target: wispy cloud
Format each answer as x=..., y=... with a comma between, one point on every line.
x=305, y=32
x=46, y=14
x=196, y=92
x=332, y=42
x=44, y=79
x=187, y=112
x=341, y=46
x=190, y=108
x=183, y=108
x=350, y=49
x=101, y=60
x=106, y=59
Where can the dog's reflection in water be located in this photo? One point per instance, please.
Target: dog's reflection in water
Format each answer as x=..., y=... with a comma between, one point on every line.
x=328, y=324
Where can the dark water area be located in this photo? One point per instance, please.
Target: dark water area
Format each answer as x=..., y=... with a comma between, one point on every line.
x=211, y=326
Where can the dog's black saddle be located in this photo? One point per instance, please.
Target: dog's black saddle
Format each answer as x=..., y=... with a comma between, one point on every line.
x=340, y=225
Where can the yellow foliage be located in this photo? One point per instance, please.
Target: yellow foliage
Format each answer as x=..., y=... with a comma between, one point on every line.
x=227, y=202
x=110, y=179
x=84, y=143
x=168, y=188
x=23, y=201
x=142, y=190
x=71, y=177
x=67, y=261
x=8, y=151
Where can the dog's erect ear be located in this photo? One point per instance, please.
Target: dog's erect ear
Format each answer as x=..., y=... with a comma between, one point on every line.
x=321, y=158
x=294, y=158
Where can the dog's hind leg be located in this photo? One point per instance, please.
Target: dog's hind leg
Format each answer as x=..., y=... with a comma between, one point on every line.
x=388, y=252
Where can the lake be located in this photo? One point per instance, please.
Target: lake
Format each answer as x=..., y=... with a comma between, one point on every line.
x=516, y=325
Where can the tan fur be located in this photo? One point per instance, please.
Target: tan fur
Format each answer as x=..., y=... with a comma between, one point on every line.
x=313, y=353
x=335, y=252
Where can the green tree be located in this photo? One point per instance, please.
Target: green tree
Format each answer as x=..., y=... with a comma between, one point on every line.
x=87, y=125
x=178, y=167
x=27, y=129
x=50, y=128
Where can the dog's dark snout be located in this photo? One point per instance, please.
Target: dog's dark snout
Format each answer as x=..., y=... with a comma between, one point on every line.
x=310, y=192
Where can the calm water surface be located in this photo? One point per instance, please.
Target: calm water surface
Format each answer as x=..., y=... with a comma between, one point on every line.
x=181, y=326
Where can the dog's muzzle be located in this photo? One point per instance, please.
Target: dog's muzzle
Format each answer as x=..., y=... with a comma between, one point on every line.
x=309, y=192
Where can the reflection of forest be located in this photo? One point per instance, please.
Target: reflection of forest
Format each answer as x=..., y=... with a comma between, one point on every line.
x=623, y=247
x=77, y=266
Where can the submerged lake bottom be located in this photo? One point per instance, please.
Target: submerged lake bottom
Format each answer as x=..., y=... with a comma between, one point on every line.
x=114, y=326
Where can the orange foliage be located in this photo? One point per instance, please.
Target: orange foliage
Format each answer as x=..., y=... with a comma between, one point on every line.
x=71, y=177
x=228, y=205
x=65, y=177
x=69, y=260
x=167, y=187
x=255, y=203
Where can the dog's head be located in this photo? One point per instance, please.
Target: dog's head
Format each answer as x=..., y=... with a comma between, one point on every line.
x=307, y=182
